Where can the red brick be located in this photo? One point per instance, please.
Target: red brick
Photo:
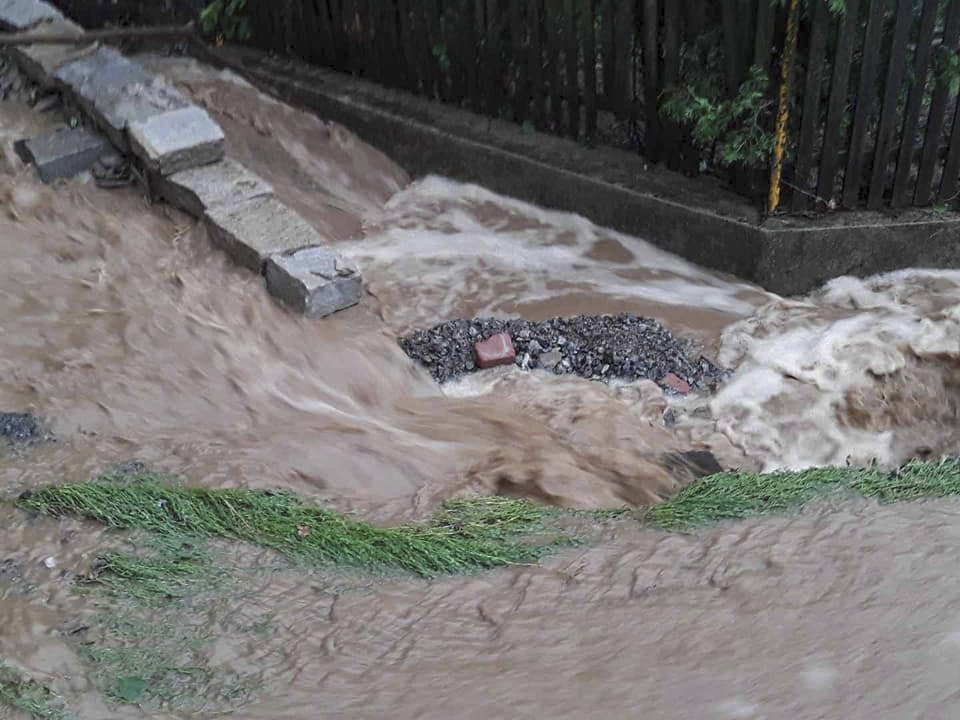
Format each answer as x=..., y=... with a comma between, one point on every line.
x=497, y=350
x=676, y=384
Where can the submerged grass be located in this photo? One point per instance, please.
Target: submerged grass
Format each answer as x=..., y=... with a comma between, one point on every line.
x=729, y=496
x=29, y=696
x=152, y=641
x=466, y=535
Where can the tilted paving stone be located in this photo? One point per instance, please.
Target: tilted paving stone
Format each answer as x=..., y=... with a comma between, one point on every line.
x=253, y=230
x=117, y=92
x=199, y=189
x=40, y=62
x=315, y=281
x=18, y=15
x=177, y=140
x=65, y=153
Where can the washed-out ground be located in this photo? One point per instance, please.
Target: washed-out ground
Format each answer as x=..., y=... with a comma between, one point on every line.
x=141, y=348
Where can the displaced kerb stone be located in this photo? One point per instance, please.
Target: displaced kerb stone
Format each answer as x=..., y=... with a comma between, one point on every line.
x=253, y=230
x=40, y=62
x=65, y=153
x=99, y=71
x=497, y=350
x=315, y=281
x=224, y=183
x=24, y=14
x=116, y=92
x=177, y=140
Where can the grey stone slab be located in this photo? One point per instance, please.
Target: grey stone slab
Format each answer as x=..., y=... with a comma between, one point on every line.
x=103, y=69
x=24, y=14
x=40, y=62
x=65, y=153
x=200, y=189
x=315, y=281
x=117, y=92
x=177, y=140
x=253, y=230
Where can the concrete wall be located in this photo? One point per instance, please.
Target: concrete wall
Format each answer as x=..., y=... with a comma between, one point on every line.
x=694, y=218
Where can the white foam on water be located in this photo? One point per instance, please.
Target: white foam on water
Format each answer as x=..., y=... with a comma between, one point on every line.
x=802, y=365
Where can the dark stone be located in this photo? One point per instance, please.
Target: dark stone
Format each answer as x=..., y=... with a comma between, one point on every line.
x=64, y=153
x=10, y=570
x=132, y=467
x=600, y=347
x=20, y=428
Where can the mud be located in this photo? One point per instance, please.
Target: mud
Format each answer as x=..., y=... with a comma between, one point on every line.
x=141, y=343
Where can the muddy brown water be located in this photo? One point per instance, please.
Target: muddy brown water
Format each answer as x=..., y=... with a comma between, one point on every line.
x=137, y=341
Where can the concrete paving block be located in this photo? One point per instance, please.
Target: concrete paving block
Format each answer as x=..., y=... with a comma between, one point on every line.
x=177, y=140
x=24, y=14
x=315, y=281
x=117, y=92
x=253, y=230
x=40, y=62
x=200, y=189
x=65, y=153
x=105, y=68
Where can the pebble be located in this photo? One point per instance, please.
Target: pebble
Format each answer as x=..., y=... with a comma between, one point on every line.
x=50, y=563
x=602, y=347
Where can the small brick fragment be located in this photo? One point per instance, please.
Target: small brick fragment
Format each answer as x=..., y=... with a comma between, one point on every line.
x=497, y=350
x=675, y=383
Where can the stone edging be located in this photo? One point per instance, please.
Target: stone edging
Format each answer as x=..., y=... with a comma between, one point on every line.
x=181, y=148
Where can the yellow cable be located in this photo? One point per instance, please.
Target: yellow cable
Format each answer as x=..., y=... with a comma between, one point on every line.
x=783, y=111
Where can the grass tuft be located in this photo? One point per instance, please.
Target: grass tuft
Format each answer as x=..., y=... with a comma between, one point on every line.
x=729, y=496
x=466, y=535
x=29, y=696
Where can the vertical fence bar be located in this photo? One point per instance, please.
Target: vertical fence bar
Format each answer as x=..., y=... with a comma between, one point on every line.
x=918, y=88
x=866, y=96
x=763, y=36
x=731, y=44
x=587, y=29
x=651, y=76
x=573, y=67
x=837, y=107
x=535, y=64
x=623, y=53
x=325, y=37
x=486, y=68
x=938, y=104
x=519, y=63
x=551, y=18
x=891, y=101
x=608, y=52
x=810, y=117
x=408, y=48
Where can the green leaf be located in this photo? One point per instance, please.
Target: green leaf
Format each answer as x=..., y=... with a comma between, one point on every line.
x=130, y=688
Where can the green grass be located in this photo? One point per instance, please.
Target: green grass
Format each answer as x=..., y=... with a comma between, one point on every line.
x=466, y=535
x=150, y=644
x=29, y=696
x=729, y=496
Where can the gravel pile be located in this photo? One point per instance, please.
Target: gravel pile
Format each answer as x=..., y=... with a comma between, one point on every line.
x=598, y=347
x=19, y=428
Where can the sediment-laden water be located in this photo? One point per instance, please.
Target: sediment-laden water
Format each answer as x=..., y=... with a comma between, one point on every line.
x=135, y=340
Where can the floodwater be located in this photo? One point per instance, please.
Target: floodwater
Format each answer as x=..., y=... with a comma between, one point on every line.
x=137, y=341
